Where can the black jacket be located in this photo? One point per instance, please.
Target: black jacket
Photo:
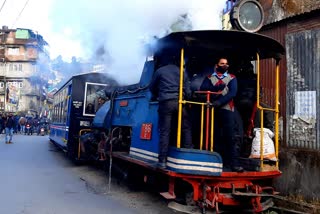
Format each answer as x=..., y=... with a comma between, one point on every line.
x=10, y=122
x=165, y=83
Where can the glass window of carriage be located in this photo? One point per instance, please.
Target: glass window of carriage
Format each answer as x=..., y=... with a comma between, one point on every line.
x=91, y=98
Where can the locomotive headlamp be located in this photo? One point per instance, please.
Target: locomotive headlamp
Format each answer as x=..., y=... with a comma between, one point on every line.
x=247, y=15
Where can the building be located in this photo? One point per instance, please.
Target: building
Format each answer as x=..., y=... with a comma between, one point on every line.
x=23, y=70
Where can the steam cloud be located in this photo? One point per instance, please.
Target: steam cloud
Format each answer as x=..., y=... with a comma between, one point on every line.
x=112, y=31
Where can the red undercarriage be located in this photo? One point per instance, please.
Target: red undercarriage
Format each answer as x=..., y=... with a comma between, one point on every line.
x=229, y=189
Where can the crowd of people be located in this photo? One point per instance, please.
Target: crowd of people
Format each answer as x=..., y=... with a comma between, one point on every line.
x=13, y=124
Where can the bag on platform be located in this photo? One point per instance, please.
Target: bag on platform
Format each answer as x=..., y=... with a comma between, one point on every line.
x=268, y=145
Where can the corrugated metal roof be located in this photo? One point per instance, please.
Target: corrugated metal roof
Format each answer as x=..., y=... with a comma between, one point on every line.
x=277, y=10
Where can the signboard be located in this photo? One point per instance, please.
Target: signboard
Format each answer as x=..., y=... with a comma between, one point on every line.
x=305, y=104
x=12, y=93
x=77, y=104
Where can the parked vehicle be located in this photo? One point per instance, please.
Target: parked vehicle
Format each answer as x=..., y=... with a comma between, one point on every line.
x=42, y=130
x=28, y=129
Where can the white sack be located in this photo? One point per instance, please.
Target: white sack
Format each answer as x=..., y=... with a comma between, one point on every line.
x=268, y=145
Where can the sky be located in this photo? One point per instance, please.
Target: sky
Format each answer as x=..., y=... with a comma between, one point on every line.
x=79, y=27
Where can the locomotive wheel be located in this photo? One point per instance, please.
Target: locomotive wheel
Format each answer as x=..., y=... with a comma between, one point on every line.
x=135, y=179
x=189, y=199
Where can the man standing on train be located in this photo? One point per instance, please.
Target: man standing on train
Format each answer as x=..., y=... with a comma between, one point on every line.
x=221, y=80
x=165, y=86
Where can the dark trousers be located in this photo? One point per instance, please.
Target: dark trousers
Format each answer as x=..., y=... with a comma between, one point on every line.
x=168, y=114
x=225, y=138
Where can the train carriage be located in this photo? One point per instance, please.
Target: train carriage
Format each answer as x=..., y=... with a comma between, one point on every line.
x=74, y=107
x=131, y=119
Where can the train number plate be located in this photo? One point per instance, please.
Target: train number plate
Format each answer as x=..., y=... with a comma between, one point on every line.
x=146, y=130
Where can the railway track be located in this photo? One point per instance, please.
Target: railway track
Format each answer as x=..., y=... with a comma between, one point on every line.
x=274, y=205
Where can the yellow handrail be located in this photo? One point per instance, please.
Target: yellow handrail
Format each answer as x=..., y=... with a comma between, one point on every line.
x=277, y=113
x=262, y=109
x=180, y=99
x=201, y=130
x=212, y=129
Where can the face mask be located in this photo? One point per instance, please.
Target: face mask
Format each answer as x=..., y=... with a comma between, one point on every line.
x=222, y=68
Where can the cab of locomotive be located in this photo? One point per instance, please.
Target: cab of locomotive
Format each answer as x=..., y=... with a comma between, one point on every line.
x=133, y=112
x=198, y=53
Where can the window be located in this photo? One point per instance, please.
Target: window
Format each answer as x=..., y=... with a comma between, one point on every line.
x=1, y=84
x=91, y=98
x=14, y=51
x=20, y=84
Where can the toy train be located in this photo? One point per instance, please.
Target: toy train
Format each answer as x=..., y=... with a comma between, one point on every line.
x=130, y=119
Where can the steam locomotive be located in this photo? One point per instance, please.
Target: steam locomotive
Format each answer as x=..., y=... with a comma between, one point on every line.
x=129, y=118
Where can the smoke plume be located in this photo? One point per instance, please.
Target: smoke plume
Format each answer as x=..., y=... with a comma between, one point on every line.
x=113, y=32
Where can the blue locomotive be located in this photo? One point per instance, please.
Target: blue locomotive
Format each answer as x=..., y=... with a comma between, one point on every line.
x=130, y=120
x=125, y=128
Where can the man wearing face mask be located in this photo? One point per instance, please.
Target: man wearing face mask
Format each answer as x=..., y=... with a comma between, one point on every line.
x=222, y=81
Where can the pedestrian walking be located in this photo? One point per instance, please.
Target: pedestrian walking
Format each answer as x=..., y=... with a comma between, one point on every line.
x=9, y=124
x=22, y=123
x=1, y=123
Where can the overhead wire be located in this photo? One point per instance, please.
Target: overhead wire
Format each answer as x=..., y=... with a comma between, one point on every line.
x=20, y=13
x=4, y=2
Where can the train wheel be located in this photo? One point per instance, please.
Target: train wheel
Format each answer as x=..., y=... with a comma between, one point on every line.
x=135, y=179
x=189, y=199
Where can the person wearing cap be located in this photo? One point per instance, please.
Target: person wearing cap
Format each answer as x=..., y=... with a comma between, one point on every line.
x=222, y=81
x=9, y=125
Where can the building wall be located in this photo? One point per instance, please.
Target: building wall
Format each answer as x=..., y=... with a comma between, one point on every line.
x=303, y=83
x=19, y=68
x=29, y=102
x=300, y=150
x=18, y=49
x=277, y=10
x=268, y=75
